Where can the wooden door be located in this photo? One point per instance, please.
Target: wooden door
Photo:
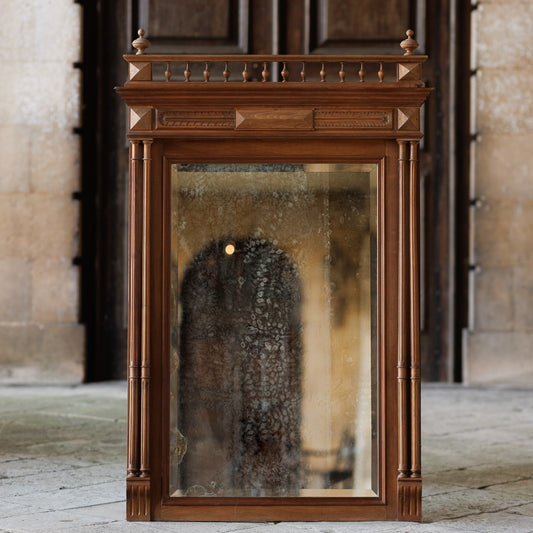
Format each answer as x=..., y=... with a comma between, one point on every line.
x=263, y=27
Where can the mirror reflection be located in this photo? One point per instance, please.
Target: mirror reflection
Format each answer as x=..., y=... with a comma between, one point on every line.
x=273, y=330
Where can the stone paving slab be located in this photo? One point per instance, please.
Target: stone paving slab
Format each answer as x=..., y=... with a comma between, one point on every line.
x=62, y=464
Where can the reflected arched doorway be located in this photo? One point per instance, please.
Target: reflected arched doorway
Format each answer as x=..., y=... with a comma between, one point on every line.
x=240, y=371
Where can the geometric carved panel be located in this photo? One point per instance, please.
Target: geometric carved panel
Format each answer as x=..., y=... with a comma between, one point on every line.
x=347, y=118
x=408, y=119
x=409, y=499
x=196, y=118
x=138, y=499
x=409, y=71
x=140, y=72
x=140, y=118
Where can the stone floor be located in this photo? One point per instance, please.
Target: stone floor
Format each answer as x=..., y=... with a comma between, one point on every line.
x=62, y=462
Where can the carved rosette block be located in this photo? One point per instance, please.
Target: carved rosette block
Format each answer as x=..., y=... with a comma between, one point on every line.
x=408, y=119
x=140, y=118
x=410, y=499
x=140, y=71
x=138, y=500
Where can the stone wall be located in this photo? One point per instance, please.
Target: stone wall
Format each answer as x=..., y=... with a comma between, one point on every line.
x=40, y=338
x=500, y=343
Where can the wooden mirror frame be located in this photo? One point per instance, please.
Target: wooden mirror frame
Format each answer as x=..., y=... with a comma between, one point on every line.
x=347, y=120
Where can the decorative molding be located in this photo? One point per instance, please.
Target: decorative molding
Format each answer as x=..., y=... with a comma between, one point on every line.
x=134, y=311
x=414, y=310
x=145, y=314
x=196, y=118
x=408, y=119
x=138, y=499
x=404, y=465
x=140, y=118
x=274, y=119
x=410, y=499
x=409, y=71
x=140, y=71
x=346, y=118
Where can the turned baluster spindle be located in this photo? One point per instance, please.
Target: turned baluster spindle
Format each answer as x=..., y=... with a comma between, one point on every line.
x=207, y=74
x=362, y=72
x=302, y=72
x=323, y=73
x=284, y=72
x=342, y=74
x=187, y=72
x=245, y=73
x=168, y=72
x=265, y=73
x=226, y=72
x=381, y=74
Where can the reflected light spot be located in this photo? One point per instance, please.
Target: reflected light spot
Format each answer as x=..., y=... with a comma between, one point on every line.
x=230, y=248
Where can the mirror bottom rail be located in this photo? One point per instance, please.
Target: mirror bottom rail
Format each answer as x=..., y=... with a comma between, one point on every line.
x=360, y=511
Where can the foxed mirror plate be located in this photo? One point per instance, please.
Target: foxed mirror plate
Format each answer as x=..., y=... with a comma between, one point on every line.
x=273, y=371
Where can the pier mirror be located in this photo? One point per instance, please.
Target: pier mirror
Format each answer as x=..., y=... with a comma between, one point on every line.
x=273, y=287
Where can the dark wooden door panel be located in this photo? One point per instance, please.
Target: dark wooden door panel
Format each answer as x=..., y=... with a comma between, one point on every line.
x=365, y=26
x=189, y=26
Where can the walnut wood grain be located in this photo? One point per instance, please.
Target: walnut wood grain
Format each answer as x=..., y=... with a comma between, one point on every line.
x=409, y=500
x=348, y=118
x=138, y=500
x=145, y=317
x=134, y=294
x=273, y=119
x=414, y=312
x=403, y=324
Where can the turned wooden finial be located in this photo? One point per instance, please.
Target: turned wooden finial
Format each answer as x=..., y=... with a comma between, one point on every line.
x=140, y=43
x=409, y=44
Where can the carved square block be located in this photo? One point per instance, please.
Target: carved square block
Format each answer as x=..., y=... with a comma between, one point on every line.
x=140, y=118
x=140, y=71
x=408, y=119
x=409, y=71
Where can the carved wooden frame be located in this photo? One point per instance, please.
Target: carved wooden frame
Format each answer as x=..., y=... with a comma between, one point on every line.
x=310, y=122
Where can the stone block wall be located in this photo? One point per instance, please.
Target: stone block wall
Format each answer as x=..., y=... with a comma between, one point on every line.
x=499, y=347
x=40, y=338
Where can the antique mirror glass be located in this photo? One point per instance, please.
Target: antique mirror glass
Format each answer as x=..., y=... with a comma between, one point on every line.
x=273, y=317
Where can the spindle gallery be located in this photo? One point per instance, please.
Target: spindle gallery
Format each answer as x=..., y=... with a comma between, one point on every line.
x=274, y=368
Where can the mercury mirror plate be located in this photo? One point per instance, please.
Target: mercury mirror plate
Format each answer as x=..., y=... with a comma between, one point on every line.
x=273, y=371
